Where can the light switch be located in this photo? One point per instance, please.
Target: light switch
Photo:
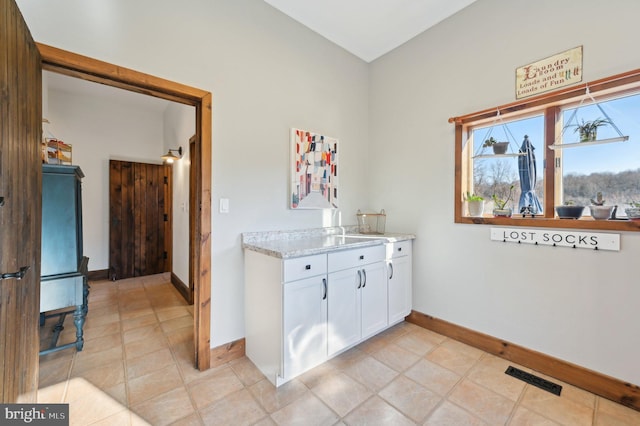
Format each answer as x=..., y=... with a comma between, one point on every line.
x=224, y=205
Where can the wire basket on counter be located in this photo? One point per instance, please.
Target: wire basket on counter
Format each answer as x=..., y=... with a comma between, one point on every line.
x=371, y=223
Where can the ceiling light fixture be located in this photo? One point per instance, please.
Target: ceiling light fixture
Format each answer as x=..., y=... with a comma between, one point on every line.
x=169, y=157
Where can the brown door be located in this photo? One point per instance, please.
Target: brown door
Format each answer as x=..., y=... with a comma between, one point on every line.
x=140, y=219
x=20, y=206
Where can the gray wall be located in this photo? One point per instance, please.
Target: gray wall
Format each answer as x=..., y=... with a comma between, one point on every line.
x=577, y=305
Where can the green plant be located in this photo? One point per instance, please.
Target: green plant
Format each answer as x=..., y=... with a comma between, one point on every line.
x=489, y=142
x=473, y=197
x=598, y=201
x=634, y=204
x=589, y=126
x=588, y=129
x=501, y=203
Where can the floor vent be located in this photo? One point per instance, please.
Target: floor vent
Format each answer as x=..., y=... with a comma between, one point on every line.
x=534, y=380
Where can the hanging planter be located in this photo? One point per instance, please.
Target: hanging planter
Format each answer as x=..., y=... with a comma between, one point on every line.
x=499, y=148
x=588, y=130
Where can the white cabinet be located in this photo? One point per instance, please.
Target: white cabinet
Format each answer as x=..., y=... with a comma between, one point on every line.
x=374, y=300
x=299, y=312
x=344, y=309
x=357, y=293
x=399, y=280
x=285, y=321
x=304, y=325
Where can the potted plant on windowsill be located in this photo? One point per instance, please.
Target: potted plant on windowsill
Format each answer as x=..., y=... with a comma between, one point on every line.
x=569, y=210
x=500, y=208
x=588, y=130
x=498, y=147
x=598, y=210
x=633, y=212
x=475, y=205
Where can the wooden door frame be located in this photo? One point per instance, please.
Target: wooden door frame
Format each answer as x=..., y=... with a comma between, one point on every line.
x=74, y=65
x=193, y=229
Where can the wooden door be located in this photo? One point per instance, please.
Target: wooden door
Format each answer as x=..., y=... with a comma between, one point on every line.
x=140, y=219
x=20, y=206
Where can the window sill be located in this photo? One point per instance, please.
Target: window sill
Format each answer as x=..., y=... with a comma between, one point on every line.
x=583, y=223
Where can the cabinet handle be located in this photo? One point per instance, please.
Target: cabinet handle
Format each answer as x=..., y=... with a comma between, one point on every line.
x=391, y=269
x=364, y=273
x=399, y=248
x=324, y=284
x=359, y=278
x=307, y=267
x=18, y=275
x=362, y=257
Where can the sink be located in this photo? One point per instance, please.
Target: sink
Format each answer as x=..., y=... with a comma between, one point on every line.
x=341, y=240
x=369, y=236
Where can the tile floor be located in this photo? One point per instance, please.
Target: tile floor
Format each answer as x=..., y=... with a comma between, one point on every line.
x=137, y=368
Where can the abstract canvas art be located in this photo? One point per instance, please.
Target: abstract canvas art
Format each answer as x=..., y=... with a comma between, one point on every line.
x=314, y=171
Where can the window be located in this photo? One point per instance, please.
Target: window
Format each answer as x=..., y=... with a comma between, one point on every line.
x=610, y=168
x=548, y=162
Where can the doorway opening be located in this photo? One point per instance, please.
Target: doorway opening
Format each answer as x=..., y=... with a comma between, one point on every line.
x=74, y=65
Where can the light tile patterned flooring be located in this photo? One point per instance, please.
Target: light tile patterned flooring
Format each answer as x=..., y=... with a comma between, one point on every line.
x=137, y=368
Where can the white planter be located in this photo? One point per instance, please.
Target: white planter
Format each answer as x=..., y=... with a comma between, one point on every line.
x=475, y=208
x=601, y=212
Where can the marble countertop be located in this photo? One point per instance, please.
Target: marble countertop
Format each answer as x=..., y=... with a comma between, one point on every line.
x=290, y=244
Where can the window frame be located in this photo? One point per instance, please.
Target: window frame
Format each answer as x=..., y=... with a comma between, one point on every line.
x=550, y=104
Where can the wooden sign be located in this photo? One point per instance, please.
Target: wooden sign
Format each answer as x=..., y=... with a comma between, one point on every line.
x=552, y=73
x=552, y=237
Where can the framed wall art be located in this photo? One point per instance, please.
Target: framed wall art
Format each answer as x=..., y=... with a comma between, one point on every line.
x=314, y=171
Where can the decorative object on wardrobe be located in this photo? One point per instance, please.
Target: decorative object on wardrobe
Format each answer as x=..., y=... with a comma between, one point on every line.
x=54, y=150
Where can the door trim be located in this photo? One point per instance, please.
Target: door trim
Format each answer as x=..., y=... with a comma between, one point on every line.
x=74, y=65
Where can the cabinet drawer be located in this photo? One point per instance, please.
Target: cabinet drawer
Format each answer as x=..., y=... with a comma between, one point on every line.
x=353, y=258
x=304, y=267
x=399, y=248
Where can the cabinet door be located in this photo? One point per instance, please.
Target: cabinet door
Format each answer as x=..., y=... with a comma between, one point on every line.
x=344, y=309
x=305, y=325
x=373, y=296
x=399, y=282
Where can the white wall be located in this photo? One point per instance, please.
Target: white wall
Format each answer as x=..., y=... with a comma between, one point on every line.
x=101, y=129
x=267, y=74
x=179, y=126
x=577, y=305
